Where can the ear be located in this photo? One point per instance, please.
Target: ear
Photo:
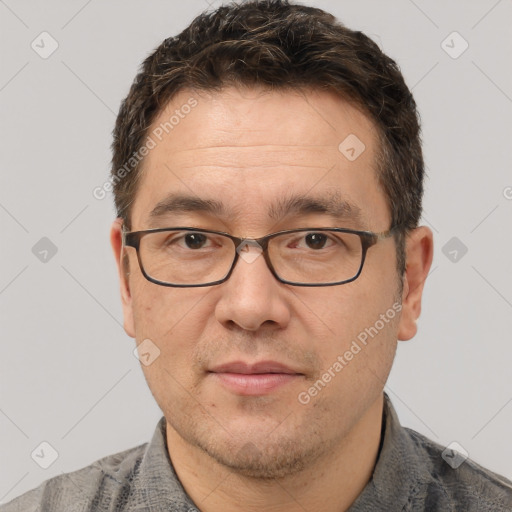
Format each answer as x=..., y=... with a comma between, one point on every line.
x=116, y=240
x=419, y=254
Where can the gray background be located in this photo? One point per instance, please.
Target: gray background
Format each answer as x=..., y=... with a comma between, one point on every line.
x=68, y=375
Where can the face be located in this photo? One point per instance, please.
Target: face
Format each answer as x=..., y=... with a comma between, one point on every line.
x=250, y=150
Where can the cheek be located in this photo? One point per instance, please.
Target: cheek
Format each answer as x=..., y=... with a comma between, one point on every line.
x=358, y=319
x=146, y=304
x=173, y=318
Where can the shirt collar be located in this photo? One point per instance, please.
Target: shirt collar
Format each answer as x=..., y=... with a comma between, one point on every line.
x=399, y=471
x=156, y=481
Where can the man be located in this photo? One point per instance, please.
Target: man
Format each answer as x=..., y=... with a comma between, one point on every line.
x=268, y=173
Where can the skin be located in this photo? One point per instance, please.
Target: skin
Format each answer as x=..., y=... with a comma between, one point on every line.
x=247, y=148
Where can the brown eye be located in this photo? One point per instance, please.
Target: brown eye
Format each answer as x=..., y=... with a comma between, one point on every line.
x=316, y=240
x=195, y=240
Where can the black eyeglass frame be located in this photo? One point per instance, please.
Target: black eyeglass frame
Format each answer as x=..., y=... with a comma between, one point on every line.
x=368, y=239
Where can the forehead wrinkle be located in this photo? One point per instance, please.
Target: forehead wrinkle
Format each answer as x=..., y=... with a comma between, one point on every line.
x=248, y=146
x=257, y=157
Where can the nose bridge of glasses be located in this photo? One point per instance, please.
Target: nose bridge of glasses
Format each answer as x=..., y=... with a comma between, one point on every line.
x=249, y=249
x=257, y=243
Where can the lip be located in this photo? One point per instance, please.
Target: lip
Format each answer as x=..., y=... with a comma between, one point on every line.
x=254, y=368
x=254, y=379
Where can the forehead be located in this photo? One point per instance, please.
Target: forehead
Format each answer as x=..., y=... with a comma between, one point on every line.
x=250, y=149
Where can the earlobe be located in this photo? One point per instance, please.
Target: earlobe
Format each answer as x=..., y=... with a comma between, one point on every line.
x=419, y=254
x=116, y=240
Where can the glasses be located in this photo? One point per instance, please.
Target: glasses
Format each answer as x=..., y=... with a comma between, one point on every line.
x=191, y=257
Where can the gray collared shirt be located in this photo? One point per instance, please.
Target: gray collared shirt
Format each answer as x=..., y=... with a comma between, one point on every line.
x=410, y=475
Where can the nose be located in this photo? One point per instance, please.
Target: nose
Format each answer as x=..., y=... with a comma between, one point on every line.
x=252, y=297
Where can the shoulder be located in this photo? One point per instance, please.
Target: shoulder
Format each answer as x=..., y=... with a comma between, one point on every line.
x=461, y=485
x=84, y=489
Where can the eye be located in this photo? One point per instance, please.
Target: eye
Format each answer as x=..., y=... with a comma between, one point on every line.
x=316, y=240
x=194, y=240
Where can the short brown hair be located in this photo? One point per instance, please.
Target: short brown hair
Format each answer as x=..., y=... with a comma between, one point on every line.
x=279, y=45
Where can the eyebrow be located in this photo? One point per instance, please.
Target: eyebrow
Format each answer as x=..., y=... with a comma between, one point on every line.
x=332, y=204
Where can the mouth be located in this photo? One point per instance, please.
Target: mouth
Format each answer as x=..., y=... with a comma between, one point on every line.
x=255, y=379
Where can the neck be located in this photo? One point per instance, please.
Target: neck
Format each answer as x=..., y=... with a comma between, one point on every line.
x=331, y=484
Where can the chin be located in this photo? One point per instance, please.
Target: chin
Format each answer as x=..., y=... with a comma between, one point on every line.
x=264, y=462
x=259, y=451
